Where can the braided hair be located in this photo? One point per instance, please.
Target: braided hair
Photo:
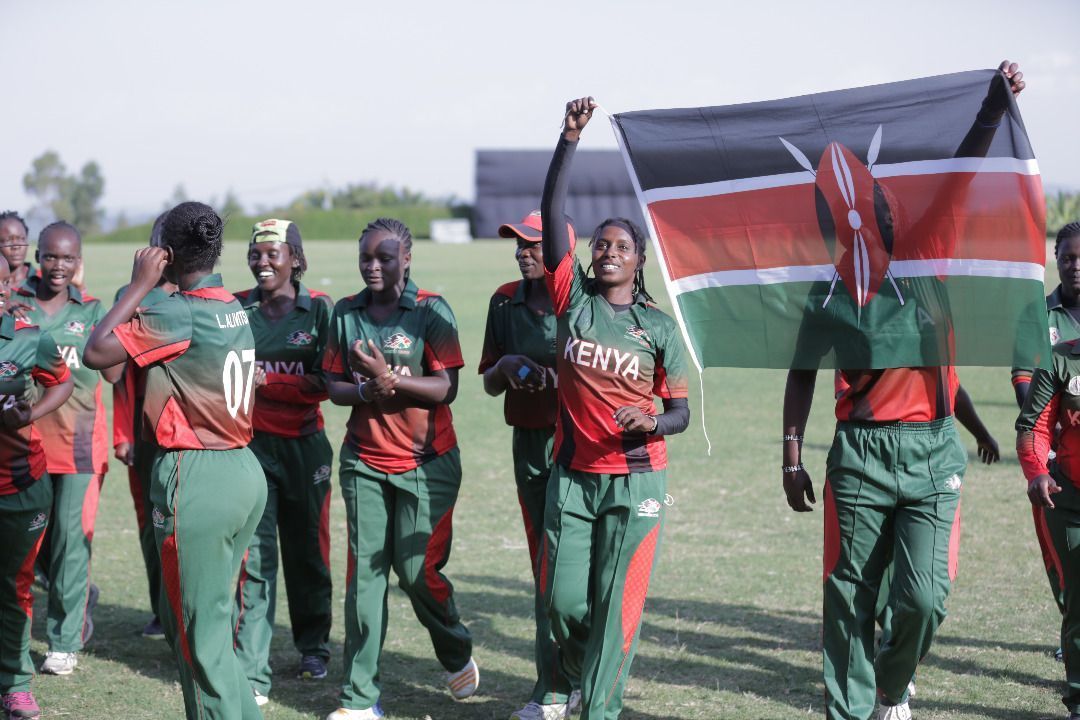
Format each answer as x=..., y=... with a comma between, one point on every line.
x=155, y=231
x=12, y=215
x=59, y=225
x=193, y=231
x=636, y=234
x=1068, y=232
x=396, y=228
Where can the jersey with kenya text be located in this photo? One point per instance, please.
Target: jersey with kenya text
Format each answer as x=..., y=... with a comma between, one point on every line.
x=28, y=355
x=199, y=354
x=130, y=389
x=513, y=328
x=290, y=351
x=1052, y=413
x=420, y=338
x=608, y=359
x=75, y=435
x=896, y=394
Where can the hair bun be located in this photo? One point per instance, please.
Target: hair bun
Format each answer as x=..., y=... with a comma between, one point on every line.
x=207, y=227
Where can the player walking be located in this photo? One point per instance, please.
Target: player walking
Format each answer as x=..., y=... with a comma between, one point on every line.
x=208, y=490
x=606, y=495
x=290, y=325
x=393, y=355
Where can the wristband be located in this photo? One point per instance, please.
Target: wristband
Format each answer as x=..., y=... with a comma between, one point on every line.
x=792, y=468
x=655, y=423
x=360, y=391
x=798, y=438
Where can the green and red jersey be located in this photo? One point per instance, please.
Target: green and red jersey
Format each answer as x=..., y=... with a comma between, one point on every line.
x=1052, y=412
x=896, y=394
x=1063, y=326
x=75, y=435
x=290, y=351
x=421, y=338
x=199, y=354
x=28, y=355
x=130, y=389
x=608, y=359
x=513, y=328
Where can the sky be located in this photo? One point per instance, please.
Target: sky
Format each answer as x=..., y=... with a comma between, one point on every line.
x=271, y=98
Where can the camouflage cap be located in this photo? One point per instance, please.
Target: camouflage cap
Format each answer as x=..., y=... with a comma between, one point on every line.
x=274, y=230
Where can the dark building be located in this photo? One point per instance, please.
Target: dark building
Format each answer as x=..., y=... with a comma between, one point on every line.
x=509, y=184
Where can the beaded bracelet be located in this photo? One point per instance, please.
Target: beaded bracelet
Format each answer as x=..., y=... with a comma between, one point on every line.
x=792, y=468
x=787, y=437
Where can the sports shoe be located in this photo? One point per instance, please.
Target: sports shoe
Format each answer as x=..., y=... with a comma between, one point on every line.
x=372, y=713
x=59, y=663
x=260, y=699
x=20, y=706
x=463, y=683
x=894, y=712
x=153, y=629
x=91, y=603
x=1059, y=655
x=574, y=703
x=312, y=667
x=536, y=711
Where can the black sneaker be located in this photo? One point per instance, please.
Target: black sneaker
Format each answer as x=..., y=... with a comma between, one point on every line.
x=1059, y=655
x=153, y=629
x=91, y=603
x=312, y=667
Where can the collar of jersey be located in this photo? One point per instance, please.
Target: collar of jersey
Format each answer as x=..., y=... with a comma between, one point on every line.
x=1053, y=300
x=29, y=288
x=406, y=301
x=7, y=326
x=303, y=297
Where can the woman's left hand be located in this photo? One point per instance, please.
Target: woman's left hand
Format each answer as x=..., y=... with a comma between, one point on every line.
x=16, y=415
x=633, y=420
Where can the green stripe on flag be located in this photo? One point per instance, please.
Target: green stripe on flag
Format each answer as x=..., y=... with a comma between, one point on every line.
x=994, y=322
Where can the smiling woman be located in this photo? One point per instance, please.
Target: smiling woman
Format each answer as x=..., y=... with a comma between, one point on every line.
x=393, y=356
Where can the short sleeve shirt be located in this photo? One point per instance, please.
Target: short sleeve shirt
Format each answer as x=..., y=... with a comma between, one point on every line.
x=896, y=394
x=290, y=351
x=609, y=359
x=420, y=338
x=513, y=328
x=75, y=434
x=129, y=391
x=28, y=355
x=199, y=354
x=1063, y=326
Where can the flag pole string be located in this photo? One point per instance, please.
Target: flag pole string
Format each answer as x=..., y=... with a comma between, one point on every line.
x=648, y=223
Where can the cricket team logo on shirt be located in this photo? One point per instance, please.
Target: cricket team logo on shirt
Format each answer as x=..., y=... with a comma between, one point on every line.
x=1054, y=336
x=637, y=333
x=299, y=338
x=321, y=475
x=649, y=508
x=953, y=483
x=8, y=369
x=1074, y=385
x=38, y=522
x=399, y=342
x=75, y=327
x=157, y=518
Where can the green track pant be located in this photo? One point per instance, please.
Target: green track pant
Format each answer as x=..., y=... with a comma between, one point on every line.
x=71, y=531
x=601, y=538
x=892, y=492
x=1063, y=524
x=298, y=506
x=206, y=506
x=1048, y=549
x=23, y=518
x=402, y=521
x=139, y=480
x=532, y=470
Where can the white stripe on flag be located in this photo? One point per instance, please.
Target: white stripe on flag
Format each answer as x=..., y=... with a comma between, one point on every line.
x=900, y=269
x=918, y=167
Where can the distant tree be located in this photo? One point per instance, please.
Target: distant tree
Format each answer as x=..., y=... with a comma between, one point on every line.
x=1061, y=209
x=359, y=196
x=230, y=206
x=74, y=198
x=179, y=195
x=318, y=199
x=122, y=221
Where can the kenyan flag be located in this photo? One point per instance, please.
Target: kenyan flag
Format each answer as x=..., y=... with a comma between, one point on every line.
x=897, y=225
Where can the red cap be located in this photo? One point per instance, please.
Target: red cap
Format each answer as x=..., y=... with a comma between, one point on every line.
x=530, y=229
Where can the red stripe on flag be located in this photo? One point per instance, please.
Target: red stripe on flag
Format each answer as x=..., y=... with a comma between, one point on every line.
x=991, y=216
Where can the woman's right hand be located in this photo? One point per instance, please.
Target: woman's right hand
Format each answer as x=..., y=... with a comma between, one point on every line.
x=150, y=263
x=799, y=488
x=1040, y=489
x=511, y=368
x=578, y=113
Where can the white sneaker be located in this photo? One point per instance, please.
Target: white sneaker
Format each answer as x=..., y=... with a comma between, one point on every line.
x=59, y=663
x=260, y=699
x=574, y=703
x=894, y=712
x=463, y=683
x=372, y=713
x=536, y=711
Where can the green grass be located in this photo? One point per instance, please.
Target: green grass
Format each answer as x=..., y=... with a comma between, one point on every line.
x=732, y=626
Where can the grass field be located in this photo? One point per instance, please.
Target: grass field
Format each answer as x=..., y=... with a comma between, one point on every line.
x=732, y=626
